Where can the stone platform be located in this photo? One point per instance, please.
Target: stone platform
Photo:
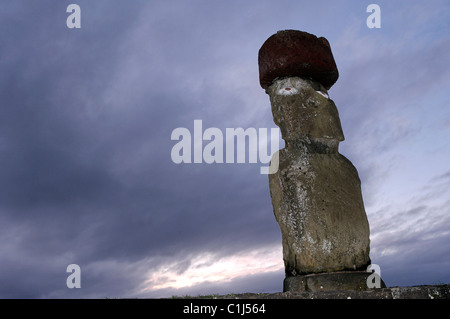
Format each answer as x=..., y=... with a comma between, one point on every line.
x=350, y=280
x=413, y=292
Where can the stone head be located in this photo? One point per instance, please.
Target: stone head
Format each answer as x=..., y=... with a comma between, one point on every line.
x=296, y=69
x=305, y=113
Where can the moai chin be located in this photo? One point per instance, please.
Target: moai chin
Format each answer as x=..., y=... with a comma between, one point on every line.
x=316, y=192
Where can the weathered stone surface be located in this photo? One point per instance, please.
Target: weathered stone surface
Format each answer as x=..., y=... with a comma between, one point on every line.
x=295, y=53
x=414, y=292
x=353, y=280
x=318, y=204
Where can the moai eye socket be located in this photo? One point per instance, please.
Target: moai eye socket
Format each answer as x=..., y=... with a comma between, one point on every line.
x=287, y=91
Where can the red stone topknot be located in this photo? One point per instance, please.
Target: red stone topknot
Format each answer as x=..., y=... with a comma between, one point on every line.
x=296, y=53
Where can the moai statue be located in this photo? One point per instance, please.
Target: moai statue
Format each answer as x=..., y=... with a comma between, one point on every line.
x=316, y=192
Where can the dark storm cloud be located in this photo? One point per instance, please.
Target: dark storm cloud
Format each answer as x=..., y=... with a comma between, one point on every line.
x=86, y=171
x=393, y=81
x=410, y=240
x=85, y=123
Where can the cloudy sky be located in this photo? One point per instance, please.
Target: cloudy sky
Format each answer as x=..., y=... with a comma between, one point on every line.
x=86, y=117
